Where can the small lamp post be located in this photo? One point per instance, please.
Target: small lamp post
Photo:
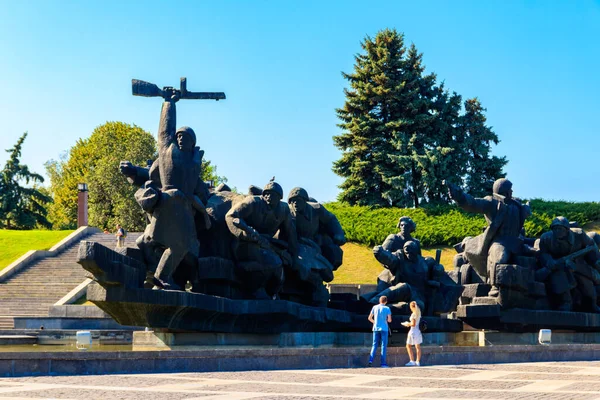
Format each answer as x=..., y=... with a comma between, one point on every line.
x=82, y=204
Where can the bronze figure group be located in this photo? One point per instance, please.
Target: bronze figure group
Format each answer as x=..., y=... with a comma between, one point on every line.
x=273, y=249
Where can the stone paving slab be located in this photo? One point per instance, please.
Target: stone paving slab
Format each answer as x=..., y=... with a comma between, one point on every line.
x=223, y=359
x=438, y=372
x=450, y=384
x=266, y=376
x=523, y=381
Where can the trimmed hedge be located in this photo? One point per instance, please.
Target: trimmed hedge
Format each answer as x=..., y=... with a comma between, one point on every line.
x=448, y=225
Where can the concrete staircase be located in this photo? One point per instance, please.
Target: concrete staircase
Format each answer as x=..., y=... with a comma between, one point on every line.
x=44, y=282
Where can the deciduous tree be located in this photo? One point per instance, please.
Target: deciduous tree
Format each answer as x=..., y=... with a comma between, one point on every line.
x=95, y=161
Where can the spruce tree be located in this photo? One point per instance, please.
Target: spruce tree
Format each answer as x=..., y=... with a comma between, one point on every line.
x=445, y=158
x=388, y=124
x=403, y=134
x=413, y=136
x=21, y=207
x=369, y=122
x=482, y=167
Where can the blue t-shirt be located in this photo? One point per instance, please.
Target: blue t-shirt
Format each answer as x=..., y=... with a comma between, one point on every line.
x=380, y=314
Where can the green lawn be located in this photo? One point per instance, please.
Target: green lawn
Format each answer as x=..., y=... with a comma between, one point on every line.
x=13, y=244
x=592, y=226
x=360, y=266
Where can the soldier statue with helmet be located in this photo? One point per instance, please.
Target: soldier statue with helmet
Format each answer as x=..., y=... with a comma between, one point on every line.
x=171, y=198
x=501, y=240
x=260, y=256
x=316, y=224
x=394, y=243
x=569, y=266
x=412, y=277
x=320, y=236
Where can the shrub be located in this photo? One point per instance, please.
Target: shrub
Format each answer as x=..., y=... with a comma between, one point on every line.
x=448, y=225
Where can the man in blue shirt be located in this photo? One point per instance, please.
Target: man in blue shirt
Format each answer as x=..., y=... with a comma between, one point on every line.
x=380, y=316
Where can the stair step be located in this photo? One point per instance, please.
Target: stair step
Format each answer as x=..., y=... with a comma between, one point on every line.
x=45, y=281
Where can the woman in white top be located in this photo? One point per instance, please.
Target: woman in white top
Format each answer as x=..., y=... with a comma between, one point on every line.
x=415, y=337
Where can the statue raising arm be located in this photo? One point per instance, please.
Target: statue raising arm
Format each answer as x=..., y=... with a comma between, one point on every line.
x=468, y=202
x=168, y=119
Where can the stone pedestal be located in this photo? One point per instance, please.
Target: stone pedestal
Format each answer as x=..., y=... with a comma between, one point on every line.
x=156, y=340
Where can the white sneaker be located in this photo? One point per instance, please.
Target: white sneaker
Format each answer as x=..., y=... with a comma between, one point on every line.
x=418, y=364
x=411, y=364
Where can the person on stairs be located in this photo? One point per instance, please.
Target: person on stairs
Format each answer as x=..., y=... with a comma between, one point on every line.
x=120, y=236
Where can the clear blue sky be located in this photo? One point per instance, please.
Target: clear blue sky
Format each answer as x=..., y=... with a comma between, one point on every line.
x=66, y=67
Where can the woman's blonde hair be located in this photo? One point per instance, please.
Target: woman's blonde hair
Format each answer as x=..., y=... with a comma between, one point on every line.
x=417, y=310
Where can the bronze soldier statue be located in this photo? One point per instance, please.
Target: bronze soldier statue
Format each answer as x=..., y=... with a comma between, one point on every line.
x=320, y=236
x=259, y=255
x=317, y=226
x=171, y=191
x=502, y=239
x=413, y=276
x=393, y=243
x=170, y=196
x=569, y=266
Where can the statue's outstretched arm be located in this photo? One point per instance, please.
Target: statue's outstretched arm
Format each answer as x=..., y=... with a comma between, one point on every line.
x=236, y=222
x=468, y=202
x=134, y=174
x=391, y=261
x=168, y=119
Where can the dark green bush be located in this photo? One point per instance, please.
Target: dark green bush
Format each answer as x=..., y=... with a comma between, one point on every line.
x=447, y=225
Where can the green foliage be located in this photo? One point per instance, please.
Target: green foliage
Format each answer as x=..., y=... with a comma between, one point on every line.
x=21, y=207
x=482, y=169
x=209, y=173
x=545, y=211
x=95, y=161
x=371, y=117
x=403, y=134
x=442, y=225
x=446, y=224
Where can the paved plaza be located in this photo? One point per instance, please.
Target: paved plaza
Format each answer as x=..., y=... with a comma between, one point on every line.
x=549, y=380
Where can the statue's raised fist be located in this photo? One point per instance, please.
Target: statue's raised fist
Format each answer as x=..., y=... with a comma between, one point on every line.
x=171, y=94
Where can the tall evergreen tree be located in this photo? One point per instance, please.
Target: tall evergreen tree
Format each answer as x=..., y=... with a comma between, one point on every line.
x=368, y=120
x=444, y=158
x=21, y=207
x=482, y=168
x=413, y=135
x=403, y=134
x=387, y=123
